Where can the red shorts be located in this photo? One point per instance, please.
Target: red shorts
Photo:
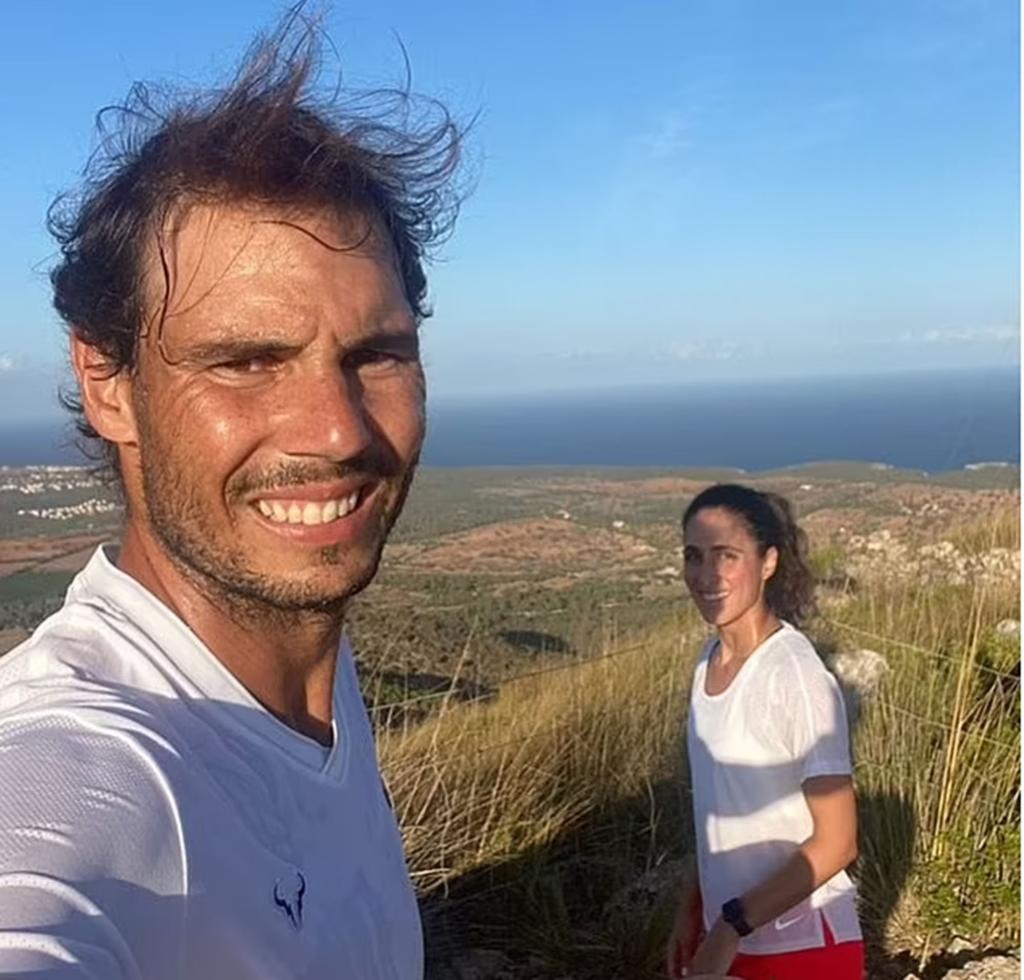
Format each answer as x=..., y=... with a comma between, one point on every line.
x=833, y=961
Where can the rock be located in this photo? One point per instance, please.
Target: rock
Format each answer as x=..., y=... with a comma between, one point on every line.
x=859, y=674
x=1008, y=628
x=959, y=945
x=988, y=968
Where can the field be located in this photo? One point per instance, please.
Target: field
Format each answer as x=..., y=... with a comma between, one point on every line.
x=526, y=652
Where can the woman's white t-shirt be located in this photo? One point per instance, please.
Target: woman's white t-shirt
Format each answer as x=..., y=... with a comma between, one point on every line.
x=780, y=722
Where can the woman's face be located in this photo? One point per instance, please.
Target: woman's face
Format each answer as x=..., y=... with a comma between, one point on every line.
x=723, y=567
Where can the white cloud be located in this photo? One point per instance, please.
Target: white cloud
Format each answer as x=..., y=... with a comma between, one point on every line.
x=699, y=349
x=971, y=335
x=7, y=363
x=945, y=337
x=667, y=139
x=702, y=350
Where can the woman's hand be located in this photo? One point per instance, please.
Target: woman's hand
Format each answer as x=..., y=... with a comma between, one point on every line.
x=716, y=953
x=685, y=930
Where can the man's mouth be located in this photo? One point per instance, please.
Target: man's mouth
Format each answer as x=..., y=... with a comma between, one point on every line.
x=301, y=509
x=712, y=596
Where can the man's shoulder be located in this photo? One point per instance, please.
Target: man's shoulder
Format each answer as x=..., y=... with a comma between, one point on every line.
x=75, y=652
x=72, y=724
x=64, y=768
x=78, y=707
x=87, y=822
x=66, y=708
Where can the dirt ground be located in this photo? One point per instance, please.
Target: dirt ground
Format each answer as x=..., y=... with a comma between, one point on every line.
x=49, y=554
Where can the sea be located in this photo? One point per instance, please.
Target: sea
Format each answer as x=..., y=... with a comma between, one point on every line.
x=930, y=421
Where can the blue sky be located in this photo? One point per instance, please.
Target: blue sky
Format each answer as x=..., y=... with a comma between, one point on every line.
x=666, y=191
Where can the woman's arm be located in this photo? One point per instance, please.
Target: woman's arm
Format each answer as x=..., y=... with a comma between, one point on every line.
x=687, y=925
x=830, y=848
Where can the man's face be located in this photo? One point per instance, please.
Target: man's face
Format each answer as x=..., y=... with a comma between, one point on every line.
x=279, y=408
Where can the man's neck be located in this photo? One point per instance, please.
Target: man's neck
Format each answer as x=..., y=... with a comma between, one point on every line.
x=285, y=659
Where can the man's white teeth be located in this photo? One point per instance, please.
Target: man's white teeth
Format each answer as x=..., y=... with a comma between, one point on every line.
x=311, y=514
x=308, y=512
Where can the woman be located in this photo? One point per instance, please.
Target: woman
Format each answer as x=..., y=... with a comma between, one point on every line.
x=773, y=804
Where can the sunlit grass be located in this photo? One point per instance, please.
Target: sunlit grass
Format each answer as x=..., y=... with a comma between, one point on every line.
x=530, y=810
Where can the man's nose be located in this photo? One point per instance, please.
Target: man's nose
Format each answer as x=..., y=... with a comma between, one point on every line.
x=323, y=413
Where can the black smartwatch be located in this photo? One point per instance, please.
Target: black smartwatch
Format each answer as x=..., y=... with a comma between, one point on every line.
x=732, y=912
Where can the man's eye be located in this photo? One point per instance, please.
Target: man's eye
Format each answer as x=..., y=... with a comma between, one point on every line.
x=377, y=358
x=249, y=365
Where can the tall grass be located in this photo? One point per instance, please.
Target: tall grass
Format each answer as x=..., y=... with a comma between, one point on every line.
x=529, y=811
x=999, y=530
x=938, y=765
x=524, y=815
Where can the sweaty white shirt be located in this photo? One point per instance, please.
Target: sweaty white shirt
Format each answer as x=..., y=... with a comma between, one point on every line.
x=157, y=822
x=781, y=721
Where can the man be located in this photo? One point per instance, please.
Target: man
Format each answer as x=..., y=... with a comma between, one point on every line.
x=188, y=784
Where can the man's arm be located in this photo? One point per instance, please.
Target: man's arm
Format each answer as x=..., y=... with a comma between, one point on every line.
x=91, y=870
x=52, y=930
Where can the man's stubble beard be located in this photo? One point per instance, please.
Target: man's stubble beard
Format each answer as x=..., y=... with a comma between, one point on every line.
x=179, y=521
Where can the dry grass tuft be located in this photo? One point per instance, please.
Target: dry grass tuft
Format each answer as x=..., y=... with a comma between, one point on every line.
x=526, y=814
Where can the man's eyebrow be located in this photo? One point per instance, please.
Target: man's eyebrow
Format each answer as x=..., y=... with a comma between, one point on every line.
x=388, y=335
x=238, y=349
x=403, y=341
x=229, y=349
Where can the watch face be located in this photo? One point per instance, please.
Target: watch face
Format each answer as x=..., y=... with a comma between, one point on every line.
x=732, y=912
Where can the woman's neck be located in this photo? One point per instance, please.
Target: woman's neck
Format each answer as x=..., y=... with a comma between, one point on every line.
x=740, y=638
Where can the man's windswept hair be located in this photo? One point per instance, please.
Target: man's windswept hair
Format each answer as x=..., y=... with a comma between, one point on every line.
x=268, y=138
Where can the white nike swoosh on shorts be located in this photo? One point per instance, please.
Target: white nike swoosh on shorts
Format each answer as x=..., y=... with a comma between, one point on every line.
x=781, y=923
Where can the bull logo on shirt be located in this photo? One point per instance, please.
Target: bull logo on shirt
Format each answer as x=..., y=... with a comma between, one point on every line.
x=288, y=893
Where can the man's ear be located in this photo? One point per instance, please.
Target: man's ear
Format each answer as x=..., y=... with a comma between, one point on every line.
x=771, y=563
x=106, y=392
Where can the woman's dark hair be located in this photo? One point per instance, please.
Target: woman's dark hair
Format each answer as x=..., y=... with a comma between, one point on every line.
x=789, y=593
x=386, y=157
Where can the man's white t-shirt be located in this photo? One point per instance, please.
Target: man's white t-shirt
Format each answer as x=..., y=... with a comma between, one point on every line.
x=157, y=822
x=780, y=722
